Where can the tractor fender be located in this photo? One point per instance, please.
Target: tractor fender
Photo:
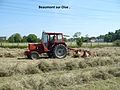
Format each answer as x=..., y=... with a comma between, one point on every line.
x=58, y=44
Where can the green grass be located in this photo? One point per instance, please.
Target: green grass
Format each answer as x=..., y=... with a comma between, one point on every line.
x=70, y=44
x=90, y=45
x=14, y=45
x=7, y=46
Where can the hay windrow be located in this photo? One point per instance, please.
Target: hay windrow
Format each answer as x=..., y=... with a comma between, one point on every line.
x=58, y=74
x=41, y=82
x=11, y=53
x=48, y=66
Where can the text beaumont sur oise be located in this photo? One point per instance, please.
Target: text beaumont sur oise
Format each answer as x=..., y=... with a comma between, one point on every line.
x=53, y=7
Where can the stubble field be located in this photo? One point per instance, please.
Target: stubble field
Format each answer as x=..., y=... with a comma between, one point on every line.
x=99, y=72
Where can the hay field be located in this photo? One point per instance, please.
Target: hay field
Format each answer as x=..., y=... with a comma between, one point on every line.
x=100, y=72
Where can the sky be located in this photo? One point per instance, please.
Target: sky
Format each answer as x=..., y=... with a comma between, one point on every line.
x=90, y=17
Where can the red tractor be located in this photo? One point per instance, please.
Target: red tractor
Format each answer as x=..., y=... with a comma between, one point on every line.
x=52, y=43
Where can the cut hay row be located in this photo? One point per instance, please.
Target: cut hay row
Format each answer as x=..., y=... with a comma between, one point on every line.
x=93, y=73
x=109, y=84
x=50, y=81
x=107, y=51
x=11, y=53
x=9, y=69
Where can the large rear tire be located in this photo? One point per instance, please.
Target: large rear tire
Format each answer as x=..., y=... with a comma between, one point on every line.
x=60, y=51
x=34, y=55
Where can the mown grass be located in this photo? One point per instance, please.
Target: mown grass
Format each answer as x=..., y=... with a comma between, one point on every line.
x=94, y=73
x=7, y=69
x=109, y=84
x=48, y=81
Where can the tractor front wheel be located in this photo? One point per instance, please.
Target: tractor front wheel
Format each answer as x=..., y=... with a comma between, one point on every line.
x=60, y=51
x=34, y=55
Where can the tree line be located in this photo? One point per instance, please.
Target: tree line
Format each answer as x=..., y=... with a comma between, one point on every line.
x=111, y=36
x=32, y=38
x=17, y=38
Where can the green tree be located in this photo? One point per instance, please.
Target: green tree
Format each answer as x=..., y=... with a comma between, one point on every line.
x=38, y=40
x=11, y=39
x=32, y=38
x=101, y=37
x=15, y=38
x=85, y=39
x=117, y=35
x=77, y=34
x=108, y=38
x=79, y=42
x=24, y=39
x=77, y=38
x=65, y=39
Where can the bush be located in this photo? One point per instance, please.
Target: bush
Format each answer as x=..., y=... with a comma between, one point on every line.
x=79, y=42
x=116, y=43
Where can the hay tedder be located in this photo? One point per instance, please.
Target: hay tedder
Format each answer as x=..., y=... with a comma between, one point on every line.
x=54, y=45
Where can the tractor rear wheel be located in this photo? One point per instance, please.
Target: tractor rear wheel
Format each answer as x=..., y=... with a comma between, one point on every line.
x=34, y=55
x=60, y=51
